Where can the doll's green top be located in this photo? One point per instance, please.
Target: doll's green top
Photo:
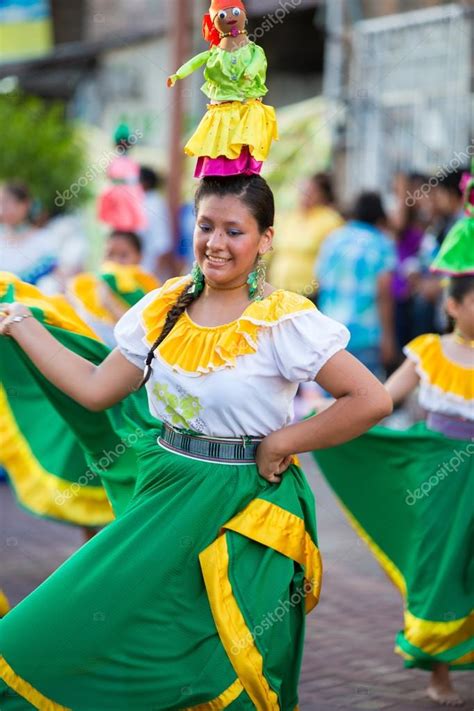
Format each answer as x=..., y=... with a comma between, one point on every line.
x=230, y=76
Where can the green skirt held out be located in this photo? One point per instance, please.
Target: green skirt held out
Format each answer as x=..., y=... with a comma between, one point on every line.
x=194, y=598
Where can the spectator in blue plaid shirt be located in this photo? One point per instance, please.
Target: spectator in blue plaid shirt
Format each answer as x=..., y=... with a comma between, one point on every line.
x=354, y=271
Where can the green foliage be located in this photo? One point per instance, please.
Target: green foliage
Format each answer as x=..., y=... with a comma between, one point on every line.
x=41, y=148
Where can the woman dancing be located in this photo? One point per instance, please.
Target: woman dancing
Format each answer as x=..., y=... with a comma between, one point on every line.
x=195, y=596
x=413, y=507
x=444, y=370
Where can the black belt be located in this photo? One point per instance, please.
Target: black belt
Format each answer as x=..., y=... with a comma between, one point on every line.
x=228, y=450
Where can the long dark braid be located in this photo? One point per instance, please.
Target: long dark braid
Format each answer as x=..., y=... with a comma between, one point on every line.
x=186, y=298
x=254, y=192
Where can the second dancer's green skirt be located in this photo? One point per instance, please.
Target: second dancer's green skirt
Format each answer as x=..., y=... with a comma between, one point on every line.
x=195, y=597
x=410, y=497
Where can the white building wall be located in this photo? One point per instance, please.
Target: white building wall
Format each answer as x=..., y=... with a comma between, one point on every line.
x=410, y=94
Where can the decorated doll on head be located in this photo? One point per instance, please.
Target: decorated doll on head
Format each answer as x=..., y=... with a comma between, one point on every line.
x=122, y=204
x=235, y=135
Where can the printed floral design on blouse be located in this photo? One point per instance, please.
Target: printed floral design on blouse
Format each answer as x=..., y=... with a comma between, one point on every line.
x=180, y=410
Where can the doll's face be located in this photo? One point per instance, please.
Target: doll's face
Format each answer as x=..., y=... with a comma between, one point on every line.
x=232, y=19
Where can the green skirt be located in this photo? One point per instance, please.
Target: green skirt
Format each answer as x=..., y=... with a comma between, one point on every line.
x=195, y=597
x=63, y=461
x=40, y=452
x=410, y=497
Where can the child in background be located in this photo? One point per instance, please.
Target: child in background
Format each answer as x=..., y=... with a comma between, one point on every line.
x=123, y=248
x=102, y=299
x=122, y=204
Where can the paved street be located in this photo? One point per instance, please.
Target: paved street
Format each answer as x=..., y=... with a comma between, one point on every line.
x=349, y=663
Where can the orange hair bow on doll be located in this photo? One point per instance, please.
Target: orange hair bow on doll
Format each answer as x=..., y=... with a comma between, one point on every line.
x=209, y=30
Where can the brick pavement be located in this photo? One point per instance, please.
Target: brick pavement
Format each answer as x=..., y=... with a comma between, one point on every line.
x=349, y=663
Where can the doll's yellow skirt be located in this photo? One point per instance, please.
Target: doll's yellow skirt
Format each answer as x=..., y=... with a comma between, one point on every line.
x=227, y=128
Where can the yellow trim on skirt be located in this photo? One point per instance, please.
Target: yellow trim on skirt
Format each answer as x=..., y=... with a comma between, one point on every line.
x=231, y=625
x=40, y=491
x=430, y=636
x=286, y=533
x=280, y=530
x=223, y=701
x=226, y=128
x=437, y=637
x=4, y=604
x=21, y=687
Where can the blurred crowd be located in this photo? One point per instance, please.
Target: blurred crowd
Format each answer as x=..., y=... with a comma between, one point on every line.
x=46, y=251
x=366, y=266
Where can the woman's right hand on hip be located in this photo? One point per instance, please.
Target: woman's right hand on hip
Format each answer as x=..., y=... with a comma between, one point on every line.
x=270, y=461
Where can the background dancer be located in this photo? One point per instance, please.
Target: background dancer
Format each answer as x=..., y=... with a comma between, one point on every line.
x=414, y=506
x=102, y=298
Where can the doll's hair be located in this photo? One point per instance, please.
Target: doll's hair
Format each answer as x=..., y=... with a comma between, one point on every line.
x=254, y=192
x=210, y=31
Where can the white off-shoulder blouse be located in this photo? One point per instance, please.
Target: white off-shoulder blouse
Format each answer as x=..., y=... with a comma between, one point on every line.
x=232, y=380
x=446, y=387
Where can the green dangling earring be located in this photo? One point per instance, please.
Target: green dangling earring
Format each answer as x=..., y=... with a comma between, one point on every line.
x=256, y=280
x=198, y=280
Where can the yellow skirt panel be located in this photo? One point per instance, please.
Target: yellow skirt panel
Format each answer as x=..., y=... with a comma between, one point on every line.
x=227, y=128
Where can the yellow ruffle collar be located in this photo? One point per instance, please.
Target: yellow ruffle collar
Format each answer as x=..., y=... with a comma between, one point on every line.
x=435, y=368
x=194, y=349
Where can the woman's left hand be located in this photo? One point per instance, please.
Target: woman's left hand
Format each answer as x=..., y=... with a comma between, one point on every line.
x=270, y=462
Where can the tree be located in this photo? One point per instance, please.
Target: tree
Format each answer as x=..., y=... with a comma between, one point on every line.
x=41, y=148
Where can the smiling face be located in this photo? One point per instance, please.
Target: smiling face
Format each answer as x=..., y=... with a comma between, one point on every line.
x=227, y=240
x=232, y=19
